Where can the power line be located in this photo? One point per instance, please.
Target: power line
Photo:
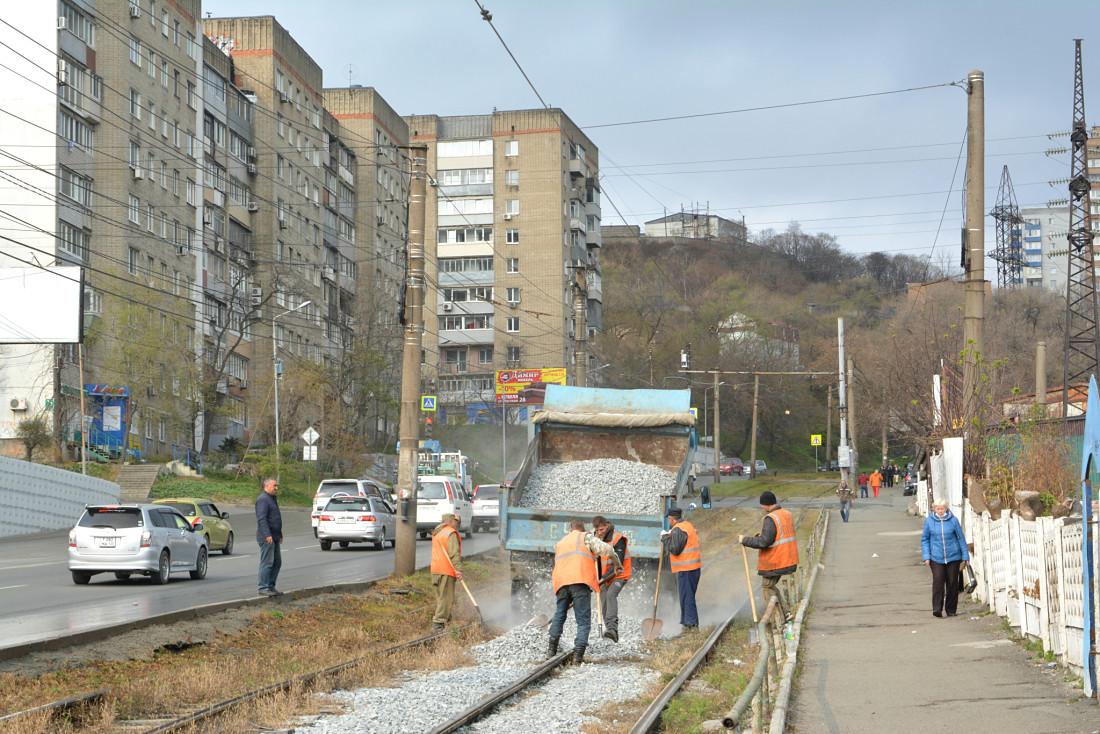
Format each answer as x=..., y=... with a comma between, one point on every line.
x=488, y=18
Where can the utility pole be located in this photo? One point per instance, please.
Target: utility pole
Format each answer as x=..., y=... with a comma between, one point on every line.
x=843, y=454
x=404, y=557
x=580, y=327
x=717, y=433
x=974, y=248
x=752, y=445
x=1041, y=374
x=854, y=451
x=828, y=425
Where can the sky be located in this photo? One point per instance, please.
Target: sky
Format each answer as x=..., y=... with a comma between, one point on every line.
x=881, y=173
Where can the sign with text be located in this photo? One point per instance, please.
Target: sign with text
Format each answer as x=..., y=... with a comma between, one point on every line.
x=526, y=387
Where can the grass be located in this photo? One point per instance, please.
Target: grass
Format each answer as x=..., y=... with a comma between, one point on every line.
x=227, y=488
x=784, y=485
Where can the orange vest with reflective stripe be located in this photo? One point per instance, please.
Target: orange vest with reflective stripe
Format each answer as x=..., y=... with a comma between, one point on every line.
x=625, y=575
x=784, y=551
x=690, y=559
x=441, y=558
x=573, y=562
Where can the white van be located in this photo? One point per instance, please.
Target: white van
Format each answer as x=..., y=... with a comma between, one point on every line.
x=439, y=495
x=330, y=488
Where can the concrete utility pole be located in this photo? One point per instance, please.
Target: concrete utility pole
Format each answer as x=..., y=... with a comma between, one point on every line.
x=580, y=327
x=717, y=433
x=852, y=414
x=404, y=557
x=974, y=250
x=1041, y=373
x=828, y=426
x=842, y=408
x=755, y=404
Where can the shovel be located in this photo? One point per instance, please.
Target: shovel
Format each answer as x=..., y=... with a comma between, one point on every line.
x=474, y=602
x=652, y=627
x=754, y=633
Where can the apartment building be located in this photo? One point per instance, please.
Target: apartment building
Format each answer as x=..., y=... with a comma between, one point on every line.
x=1043, y=239
x=513, y=216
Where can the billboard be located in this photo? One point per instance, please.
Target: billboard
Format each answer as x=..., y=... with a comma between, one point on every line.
x=526, y=387
x=41, y=305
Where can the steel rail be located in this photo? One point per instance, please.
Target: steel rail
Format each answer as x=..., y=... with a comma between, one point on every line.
x=68, y=703
x=494, y=699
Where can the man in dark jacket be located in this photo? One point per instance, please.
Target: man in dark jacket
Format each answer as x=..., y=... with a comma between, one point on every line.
x=269, y=534
x=778, y=548
x=614, y=583
x=685, y=561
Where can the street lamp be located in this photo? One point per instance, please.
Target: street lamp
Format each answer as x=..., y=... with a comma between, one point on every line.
x=276, y=371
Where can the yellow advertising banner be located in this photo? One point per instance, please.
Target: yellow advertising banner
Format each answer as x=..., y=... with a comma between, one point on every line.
x=526, y=387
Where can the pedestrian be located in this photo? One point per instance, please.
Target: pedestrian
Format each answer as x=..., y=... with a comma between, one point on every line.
x=895, y=473
x=446, y=567
x=875, y=480
x=863, y=484
x=610, y=589
x=685, y=560
x=845, y=496
x=943, y=547
x=269, y=534
x=778, y=548
x=574, y=581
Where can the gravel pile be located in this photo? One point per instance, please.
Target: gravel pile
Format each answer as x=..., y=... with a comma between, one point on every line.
x=556, y=705
x=599, y=485
x=422, y=701
x=526, y=644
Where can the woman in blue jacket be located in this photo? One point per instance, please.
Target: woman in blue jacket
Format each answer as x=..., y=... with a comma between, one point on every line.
x=943, y=547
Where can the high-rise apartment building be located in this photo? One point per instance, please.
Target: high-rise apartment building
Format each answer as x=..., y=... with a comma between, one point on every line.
x=1043, y=237
x=512, y=230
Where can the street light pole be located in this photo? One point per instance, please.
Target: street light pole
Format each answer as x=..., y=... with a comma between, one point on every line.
x=276, y=373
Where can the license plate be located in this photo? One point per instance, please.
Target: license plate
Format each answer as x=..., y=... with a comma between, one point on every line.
x=345, y=519
x=106, y=542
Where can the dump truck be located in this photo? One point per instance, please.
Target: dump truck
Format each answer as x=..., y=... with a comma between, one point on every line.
x=654, y=427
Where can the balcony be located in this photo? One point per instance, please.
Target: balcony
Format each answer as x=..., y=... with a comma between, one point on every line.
x=328, y=272
x=576, y=223
x=346, y=282
x=577, y=168
x=466, y=336
x=469, y=277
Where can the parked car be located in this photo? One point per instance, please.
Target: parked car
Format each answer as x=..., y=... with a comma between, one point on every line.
x=486, y=507
x=832, y=466
x=761, y=467
x=346, y=520
x=330, y=488
x=152, y=540
x=731, y=465
x=215, y=524
x=439, y=495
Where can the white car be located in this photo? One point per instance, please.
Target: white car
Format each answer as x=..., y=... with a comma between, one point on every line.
x=330, y=488
x=439, y=495
x=347, y=520
x=151, y=540
x=486, y=507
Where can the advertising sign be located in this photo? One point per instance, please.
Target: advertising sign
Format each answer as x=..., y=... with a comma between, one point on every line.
x=526, y=387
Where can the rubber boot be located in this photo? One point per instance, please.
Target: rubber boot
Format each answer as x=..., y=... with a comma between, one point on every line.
x=552, y=648
x=578, y=655
x=610, y=634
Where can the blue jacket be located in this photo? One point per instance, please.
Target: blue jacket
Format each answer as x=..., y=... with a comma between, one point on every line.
x=269, y=521
x=942, y=540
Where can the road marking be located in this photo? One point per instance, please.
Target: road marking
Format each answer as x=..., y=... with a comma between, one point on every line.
x=305, y=547
x=983, y=644
x=32, y=565
x=17, y=586
x=895, y=533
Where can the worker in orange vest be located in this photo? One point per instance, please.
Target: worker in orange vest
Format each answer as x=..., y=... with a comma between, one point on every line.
x=778, y=548
x=611, y=583
x=575, y=578
x=686, y=562
x=446, y=568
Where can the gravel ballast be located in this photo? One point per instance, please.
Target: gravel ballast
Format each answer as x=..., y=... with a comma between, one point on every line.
x=612, y=486
x=526, y=644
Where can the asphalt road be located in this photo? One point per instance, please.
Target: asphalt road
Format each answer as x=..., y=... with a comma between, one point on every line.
x=38, y=599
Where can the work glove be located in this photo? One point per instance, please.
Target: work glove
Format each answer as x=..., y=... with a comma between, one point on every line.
x=740, y=539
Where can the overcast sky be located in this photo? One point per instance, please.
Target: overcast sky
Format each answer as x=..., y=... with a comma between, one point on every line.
x=875, y=171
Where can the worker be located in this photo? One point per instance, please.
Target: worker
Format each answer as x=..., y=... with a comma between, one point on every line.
x=614, y=583
x=446, y=568
x=778, y=548
x=574, y=581
x=686, y=561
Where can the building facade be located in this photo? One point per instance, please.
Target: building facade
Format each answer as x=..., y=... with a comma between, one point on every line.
x=696, y=225
x=1043, y=238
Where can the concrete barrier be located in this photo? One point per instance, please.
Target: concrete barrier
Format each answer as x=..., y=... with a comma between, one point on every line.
x=35, y=498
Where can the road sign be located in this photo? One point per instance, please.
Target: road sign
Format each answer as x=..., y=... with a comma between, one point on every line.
x=309, y=453
x=427, y=402
x=695, y=412
x=815, y=439
x=310, y=436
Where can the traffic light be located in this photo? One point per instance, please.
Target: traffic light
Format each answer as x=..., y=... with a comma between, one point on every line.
x=428, y=430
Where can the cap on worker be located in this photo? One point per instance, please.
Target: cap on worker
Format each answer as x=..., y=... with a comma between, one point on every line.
x=448, y=516
x=767, y=498
x=675, y=512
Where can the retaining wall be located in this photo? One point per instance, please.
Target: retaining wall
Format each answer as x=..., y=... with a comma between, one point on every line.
x=34, y=498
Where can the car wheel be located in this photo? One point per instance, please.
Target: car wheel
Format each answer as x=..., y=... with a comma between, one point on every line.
x=381, y=542
x=423, y=534
x=164, y=568
x=228, y=549
x=200, y=565
x=122, y=575
x=467, y=534
x=326, y=545
x=344, y=544
x=81, y=577
x=314, y=532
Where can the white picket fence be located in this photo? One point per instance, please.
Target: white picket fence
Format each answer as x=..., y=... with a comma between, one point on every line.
x=1031, y=573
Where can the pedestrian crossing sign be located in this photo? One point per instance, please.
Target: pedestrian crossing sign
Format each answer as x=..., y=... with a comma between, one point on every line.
x=815, y=439
x=694, y=413
x=427, y=402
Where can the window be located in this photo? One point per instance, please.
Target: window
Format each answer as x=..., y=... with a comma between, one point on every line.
x=513, y=265
x=238, y=192
x=176, y=33
x=511, y=148
x=191, y=95
x=511, y=236
x=78, y=24
x=465, y=176
x=164, y=23
x=458, y=236
x=152, y=64
x=214, y=82
x=464, y=206
x=150, y=217
x=132, y=263
x=279, y=82
x=76, y=187
x=152, y=115
x=164, y=73
x=134, y=209
x=73, y=240
x=93, y=301
x=511, y=206
x=513, y=324
x=190, y=45
x=457, y=148
x=513, y=295
x=153, y=13
x=238, y=147
x=511, y=178
x=485, y=356
x=465, y=321
x=512, y=354
x=465, y=264
x=135, y=51
x=77, y=132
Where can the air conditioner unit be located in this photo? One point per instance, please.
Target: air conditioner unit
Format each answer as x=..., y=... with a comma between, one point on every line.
x=257, y=295
x=62, y=72
x=447, y=306
x=139, y=173
x=251, y=152
x=219, y=244
x=19, y=403
x=507, y=216
x=252, y=168
x=135, y=11
x=284, y=97
x=207, y=216
x=253, y=206
x=61, y=25
x=283, y=223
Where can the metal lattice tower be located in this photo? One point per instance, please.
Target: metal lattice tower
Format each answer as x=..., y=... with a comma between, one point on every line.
x=1009, y=252
x=1082, y=352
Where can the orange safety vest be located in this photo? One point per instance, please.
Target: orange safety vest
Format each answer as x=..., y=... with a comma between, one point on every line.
x=690, y=559
x=574, y=563
x=441, y=557
x=784, y=551
x=625, y=575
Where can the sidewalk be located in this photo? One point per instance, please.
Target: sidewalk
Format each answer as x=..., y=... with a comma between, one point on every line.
x=874, y=659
